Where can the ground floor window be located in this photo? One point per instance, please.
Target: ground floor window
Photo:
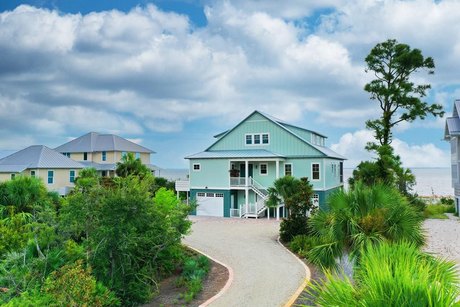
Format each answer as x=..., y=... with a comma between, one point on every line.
x=196, y=167
x=32, y=173
x=315, y=200
x=13, y=176
x=287, y=169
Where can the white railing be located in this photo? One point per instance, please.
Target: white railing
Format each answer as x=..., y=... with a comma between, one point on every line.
x=182, y=185
x=258, y=188
x=237, y=181
x=235, y=212
x=260, y=205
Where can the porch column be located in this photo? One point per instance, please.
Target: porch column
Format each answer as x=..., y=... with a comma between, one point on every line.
x=277, y=169
x=246, y=190
x=277, y=213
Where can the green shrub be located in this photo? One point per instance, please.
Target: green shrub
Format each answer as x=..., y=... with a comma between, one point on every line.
x=392, y=275
x=438, y=211
x=361, y=216
x=289, y=228
x=194, y=271
x=447, y=201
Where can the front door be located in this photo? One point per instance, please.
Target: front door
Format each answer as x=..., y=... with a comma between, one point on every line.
x=243, y=170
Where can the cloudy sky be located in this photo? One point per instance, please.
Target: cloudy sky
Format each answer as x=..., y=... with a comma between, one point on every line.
x=169, y=74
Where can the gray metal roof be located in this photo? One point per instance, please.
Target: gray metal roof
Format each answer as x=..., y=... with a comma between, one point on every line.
x=453, y=124
x=250, y=153
x=96, y=142
x=36, y=156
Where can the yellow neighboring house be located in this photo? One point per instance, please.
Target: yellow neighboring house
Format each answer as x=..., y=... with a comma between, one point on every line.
x=57, y=171
x=103, y=151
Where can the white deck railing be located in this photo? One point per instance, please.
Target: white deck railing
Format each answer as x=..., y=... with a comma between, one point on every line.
x=237, y=181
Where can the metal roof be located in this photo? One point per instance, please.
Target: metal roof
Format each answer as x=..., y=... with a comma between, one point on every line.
x=250, y=153
x=36, y=156
x=96, y=142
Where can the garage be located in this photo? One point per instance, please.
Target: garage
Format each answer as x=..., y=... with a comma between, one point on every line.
x=210, y=204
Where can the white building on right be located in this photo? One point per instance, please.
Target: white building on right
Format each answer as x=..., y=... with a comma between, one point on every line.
x=452, y=134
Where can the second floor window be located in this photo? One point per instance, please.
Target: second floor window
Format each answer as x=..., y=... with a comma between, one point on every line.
x=32, y=173
x=315, y=171
x=85, y=156
x=104, y=156
x=50, y=177
x=263, y=169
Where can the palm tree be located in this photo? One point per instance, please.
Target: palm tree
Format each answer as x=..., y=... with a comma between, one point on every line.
x=362, y=216
x=129, y=165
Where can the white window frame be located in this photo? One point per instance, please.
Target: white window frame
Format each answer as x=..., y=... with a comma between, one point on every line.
x=48, y=177
x=198, y=169
x=266, y=169
x=292, y=170
x=70, y=176
x=261, y=139
x=319, y=171
x=246, y=139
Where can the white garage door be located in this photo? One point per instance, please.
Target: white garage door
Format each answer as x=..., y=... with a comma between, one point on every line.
x=210, y=204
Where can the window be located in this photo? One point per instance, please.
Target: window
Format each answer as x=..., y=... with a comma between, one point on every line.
x=200, y=194
x=104, y=173
x=13, y=176
x=257, y=139
x=315, y=200
x=341, y=171
x=209, y=194
x=248, y=139
x=32, y=173
x=138, y=155
x=315, y=171
x=85, y=156
x=263, y=169
x=454, y=172
x=123, y=153
x=287, y=169
x=67, y=154
x=265, y=138
x=104, y=156
x=50, y=177
x=196, y=167
x=72, y=176
x=221, y=194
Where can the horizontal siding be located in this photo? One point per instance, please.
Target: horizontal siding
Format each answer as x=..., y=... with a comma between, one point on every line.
x=214, y=173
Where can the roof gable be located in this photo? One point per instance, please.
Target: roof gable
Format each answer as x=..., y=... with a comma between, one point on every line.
x=96, y=142
x=36, y=156
x=257, y=117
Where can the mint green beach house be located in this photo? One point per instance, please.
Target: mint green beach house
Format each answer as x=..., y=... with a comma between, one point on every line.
x=231, y=177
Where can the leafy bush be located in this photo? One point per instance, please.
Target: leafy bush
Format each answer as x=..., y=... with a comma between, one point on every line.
x=294, y=226
x=392, y=275
x=74, y=285
x=447, y=201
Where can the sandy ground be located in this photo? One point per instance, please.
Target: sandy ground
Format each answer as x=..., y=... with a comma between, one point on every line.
x=443, y=237
x=265, y=273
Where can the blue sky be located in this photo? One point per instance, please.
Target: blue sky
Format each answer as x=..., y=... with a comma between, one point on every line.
x=171, y=74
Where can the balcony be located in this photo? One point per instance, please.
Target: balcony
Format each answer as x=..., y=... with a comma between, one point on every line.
x=237, y=181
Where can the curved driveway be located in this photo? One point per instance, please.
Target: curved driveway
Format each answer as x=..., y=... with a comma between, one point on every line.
x=265, y=274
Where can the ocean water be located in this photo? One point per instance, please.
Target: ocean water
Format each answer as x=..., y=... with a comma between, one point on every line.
x=430, y=181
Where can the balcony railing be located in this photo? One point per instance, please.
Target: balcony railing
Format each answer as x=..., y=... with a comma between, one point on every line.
x=237, y=181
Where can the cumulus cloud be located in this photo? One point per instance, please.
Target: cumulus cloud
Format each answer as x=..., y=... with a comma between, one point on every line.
x=149, y=71
x=351, y=145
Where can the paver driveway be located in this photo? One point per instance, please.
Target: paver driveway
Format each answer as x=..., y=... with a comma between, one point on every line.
x=265, y=274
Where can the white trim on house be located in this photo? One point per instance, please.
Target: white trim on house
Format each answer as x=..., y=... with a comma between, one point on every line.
x=266, y=169
x=319, y=171
x=292, y=169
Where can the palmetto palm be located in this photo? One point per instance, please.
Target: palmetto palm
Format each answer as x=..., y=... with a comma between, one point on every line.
x=129, y=165
x=364, y=215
